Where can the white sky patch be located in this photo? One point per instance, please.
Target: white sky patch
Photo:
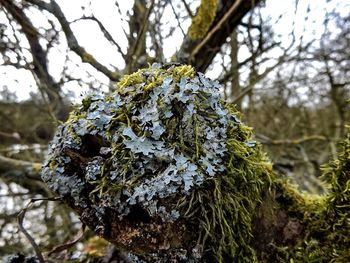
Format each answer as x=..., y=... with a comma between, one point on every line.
x=172, y=44
x=88, y=33
x=22, y=85
x=90, y=37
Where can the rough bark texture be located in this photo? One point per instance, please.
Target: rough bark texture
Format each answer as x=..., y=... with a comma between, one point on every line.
x=201, y=52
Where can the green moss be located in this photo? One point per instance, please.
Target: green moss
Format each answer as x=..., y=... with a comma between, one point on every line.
x=155, y=76
x=224, y=207
x=163, y=119
x=87, y=57
x=227, y=203
x=95, y=247
x=183, y=71
x=77, y=114
x=326, y=237
x=52, y=164
x=202, y=21
x=218, y=197
x=132, y=79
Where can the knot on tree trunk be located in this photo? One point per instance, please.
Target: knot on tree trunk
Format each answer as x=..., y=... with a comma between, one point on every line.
x=162, y=167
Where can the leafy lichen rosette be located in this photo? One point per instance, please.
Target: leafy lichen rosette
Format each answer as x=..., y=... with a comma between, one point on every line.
x=161, y=164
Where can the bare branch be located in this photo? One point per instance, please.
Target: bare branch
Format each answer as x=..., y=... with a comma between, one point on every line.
x=255, y=78
x=105, y=32
x=73, y=44
x=69, y=243
x=219, y=25
x=188, y=9
x=40, y=69
x=200, y=54
x=25, y=232
x=228, y=75
x=30, y=168
x=13, y=135
x=268, y=141
x=177, y=18
x=23, y=173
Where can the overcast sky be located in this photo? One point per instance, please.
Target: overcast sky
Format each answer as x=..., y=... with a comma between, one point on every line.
x=91, y=38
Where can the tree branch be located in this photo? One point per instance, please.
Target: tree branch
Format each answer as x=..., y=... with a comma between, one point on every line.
x=51, y=88
x=53, y=8
x=188, y=9
x=105, y=32
x=268, y=141
x=23, y=173
x=201, y=53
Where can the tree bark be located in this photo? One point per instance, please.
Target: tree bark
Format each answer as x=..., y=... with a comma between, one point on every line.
x=201, y=52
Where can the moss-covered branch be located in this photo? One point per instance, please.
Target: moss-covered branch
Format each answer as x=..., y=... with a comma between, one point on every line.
x=23, y=173
x=164, y=169
x=210, y=30
x=202, y=21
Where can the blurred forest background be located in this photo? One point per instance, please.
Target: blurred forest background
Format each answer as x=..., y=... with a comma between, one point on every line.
x=286, y=68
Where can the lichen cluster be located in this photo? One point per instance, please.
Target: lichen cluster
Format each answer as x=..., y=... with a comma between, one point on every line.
x=166, y=143
x=202, y=21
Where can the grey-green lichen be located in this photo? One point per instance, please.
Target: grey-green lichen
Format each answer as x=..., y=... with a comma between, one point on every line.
x=202, y=21
x=165, y=142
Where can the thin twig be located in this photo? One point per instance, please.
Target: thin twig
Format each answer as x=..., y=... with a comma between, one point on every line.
x=104, y=30
x=53, y=8
x=268, y=141
x=70, y=243
x=20, y=218
x=122, y=19
x=14, y=135
x=188, y=9
x=177, y=18
x=15, y=194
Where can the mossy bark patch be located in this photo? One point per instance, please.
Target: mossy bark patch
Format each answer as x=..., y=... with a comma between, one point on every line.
x=318, y=225
x=202, y=21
